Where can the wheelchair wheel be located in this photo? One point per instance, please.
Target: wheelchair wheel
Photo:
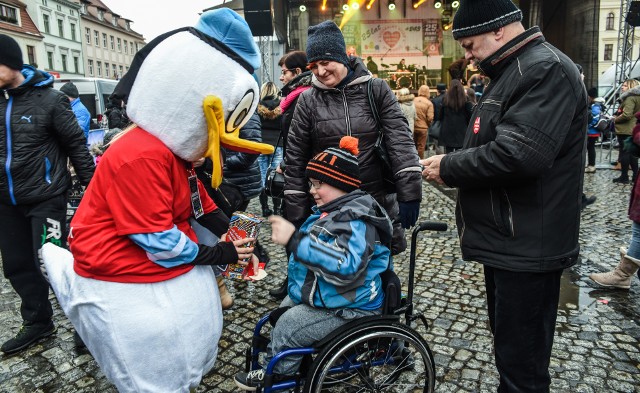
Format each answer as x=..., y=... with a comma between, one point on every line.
x=377, y=357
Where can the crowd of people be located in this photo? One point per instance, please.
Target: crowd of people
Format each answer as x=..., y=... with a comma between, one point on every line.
x=343, y=208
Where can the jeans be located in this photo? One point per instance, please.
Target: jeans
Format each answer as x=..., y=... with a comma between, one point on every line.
x=264, y=160
x=522, y=311
x=24, y=229
x=634, y=244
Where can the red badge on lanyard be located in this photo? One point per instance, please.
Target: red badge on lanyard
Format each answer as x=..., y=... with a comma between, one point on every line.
x=476, y=125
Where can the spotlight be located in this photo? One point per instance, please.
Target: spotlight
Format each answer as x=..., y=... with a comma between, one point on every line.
x=437, y=4
x=324, y=5
x=355, y=5
x=303, y=8
x=455, y=4
x=417, y=3
x=345, y=7
x=370, y=4
x=392, y=5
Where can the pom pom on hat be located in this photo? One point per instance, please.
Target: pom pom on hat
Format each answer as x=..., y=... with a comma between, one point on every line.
x=349, y=144
x=337, y=166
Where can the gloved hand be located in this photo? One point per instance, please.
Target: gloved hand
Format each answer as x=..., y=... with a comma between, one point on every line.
x=409, y=213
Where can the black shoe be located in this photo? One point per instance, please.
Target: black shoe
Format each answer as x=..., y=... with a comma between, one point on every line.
x=253, y=379
x=77, y=340
x=586, y=201
x=266, y=212
x=29, y=333
x=282, y=291
x=621, y=180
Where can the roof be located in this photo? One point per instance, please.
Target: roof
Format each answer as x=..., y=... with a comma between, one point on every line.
x=27, y=27
x=92, y=14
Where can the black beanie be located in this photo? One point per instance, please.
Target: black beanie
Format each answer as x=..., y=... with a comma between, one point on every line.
x=10, y=55
x=326, y=42
x=70, y=90
x=475, y=17
x=337, y=166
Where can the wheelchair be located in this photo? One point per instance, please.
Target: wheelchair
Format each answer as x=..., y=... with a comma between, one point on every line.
x=370, y=354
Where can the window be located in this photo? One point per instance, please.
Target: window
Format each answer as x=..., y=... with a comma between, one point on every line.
x=610, y=19
x=608, y=51
x=119, y=45
x=44, y=3
x=100, y=14
x=75, y=64
x=58, y=7
x=64, y=62
x=31, y=54
x=99, y=67
x=126, y=47
x=72, y=13
x=91, y=67
x=45, y=21
x=121, y=71
x=60, y=28
x=96, y=38
x=104, y=40
x=115, y=71
x=72, y=26
x=112, y=40
x=50, y=60
x=114, y=20
x=8, y=14
x=83, y=9
x=87, y=35
x=106, y=70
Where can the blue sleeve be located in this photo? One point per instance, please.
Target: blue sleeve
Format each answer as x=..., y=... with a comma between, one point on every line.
x=595, y=115
x=167, y=248
x=252, y=131
x=339, y=259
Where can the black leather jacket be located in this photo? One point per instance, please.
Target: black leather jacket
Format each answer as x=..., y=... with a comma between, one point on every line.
x=521, y=168
x=42, y=132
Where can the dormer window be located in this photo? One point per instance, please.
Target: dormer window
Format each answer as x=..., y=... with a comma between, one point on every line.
x=83, y=9
x=114, y=20
x=101, y=14
x=8, y=14
x=127, y=25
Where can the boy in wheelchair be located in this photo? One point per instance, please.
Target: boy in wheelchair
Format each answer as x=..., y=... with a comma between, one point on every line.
x=336, y=260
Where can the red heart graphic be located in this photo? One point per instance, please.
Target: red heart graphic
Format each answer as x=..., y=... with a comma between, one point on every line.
x=390, y=38
x=236, y=233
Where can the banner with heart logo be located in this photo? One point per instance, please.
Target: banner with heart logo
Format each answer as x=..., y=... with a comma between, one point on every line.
x=394, y=37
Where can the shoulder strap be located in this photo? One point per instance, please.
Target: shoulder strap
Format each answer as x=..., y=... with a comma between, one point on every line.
x=372, y=103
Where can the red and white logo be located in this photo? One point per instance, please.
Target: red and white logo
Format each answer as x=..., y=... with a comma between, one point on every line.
x=476, y=125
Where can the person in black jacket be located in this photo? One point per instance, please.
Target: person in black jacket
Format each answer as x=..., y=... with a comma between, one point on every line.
x=270, y=120
x=115, y=114
x=519, y=179
x=38, y=132
x=455, y=113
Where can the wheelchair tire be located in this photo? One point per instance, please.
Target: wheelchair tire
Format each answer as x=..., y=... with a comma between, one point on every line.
x=377, y=357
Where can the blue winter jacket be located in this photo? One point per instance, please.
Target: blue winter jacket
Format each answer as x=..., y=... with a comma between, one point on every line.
x=82, y=114
x=338, y=254
x=596, y=110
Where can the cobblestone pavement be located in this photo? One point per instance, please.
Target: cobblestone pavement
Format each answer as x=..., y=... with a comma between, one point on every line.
x=596, y=348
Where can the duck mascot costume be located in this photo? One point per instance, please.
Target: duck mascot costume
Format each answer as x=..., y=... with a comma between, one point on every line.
x=138, y=285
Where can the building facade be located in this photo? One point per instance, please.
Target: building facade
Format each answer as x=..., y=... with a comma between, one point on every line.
x=59, y=23
x=109, y=44
x=16, y=22
x=610, y=14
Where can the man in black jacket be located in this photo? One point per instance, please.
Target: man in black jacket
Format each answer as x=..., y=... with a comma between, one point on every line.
x=519, y=177
x=38, y=132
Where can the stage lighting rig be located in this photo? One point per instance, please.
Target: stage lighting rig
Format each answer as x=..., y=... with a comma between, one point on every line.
x=303, y=8
x=345, y=7
x=437, y=4
x=455, y=4
x=392, y=5
x=370, y=4
x=355, y=5
x=417, y=3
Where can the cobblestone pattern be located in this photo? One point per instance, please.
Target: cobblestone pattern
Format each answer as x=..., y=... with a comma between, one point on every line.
x=596, y=348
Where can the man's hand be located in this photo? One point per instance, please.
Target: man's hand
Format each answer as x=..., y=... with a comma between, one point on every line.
x=432, y=168
x=281, y=230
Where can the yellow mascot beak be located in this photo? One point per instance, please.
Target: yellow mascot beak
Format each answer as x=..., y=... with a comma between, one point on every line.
x=229, y=140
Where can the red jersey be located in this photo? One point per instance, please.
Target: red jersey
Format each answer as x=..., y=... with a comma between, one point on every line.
x=139, y=187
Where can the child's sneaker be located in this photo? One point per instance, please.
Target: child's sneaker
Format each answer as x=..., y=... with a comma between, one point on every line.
x=253, y=379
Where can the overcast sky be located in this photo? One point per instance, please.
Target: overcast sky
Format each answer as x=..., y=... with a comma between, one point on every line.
x=152, y=18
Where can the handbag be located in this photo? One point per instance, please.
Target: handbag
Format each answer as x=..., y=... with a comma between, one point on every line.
x=379, y=148
x=436, y=127
x=274, y=181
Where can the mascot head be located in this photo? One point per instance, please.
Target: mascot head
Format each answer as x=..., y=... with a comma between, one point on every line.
x=193, y=88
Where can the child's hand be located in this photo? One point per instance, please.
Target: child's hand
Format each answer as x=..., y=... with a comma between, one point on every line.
x=281, y=230
x=243, y=251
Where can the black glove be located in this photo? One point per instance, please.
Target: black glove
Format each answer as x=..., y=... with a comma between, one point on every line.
x=409, y=213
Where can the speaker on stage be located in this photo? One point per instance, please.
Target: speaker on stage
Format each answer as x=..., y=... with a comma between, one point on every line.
x=257, y=13
x=633, y=16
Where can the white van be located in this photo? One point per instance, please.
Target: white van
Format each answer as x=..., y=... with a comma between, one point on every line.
x=606, y=81
x=94, y=92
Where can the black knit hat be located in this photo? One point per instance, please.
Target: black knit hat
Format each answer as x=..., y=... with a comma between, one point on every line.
x=70, y=90
x=10, y=55
x=326, y=42
x=475, y=17
x=337, y=166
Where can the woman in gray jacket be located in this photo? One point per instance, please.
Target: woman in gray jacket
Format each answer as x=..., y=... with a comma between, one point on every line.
x=338, y=105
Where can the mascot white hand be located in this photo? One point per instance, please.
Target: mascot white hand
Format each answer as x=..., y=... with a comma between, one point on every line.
x=138, y=286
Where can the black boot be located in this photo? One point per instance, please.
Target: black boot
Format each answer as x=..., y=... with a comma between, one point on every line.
x=282, y=291
x=29, y=333
x=621, y=180
x=264, y=203
x=277, y=206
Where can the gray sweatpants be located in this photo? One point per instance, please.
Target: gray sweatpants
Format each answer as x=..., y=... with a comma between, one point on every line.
x=302, y=325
